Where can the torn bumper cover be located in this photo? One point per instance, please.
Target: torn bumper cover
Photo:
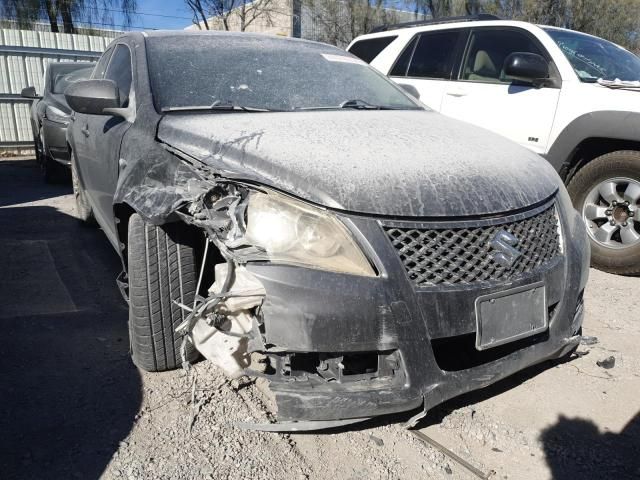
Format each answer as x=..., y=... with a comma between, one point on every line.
x=338, y=346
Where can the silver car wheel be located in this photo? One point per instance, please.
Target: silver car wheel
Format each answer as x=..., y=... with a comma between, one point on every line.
x=612, y=213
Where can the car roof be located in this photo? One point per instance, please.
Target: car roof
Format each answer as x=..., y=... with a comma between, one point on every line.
x=410, y=31
x=222, y=33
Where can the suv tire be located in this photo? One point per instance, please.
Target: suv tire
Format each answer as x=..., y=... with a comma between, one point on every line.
x=621, y=168
x=162, y=268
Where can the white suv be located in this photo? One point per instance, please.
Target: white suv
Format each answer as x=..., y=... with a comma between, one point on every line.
x=572, y=98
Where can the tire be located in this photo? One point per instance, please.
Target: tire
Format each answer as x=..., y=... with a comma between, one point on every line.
x=52, y=171
x=162, y=268
x=83, y=208
x=617, y=254
x=36, y=148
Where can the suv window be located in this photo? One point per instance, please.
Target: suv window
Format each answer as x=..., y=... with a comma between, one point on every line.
x=402, y=64
x=369, y=49
x=119, y=71
x=488, y=49
x=98, y=72
x=434, y=55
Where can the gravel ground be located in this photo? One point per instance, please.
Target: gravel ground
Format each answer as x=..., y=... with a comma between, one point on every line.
x=75, y=407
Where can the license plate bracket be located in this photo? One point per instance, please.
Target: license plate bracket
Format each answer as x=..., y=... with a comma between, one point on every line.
x=510, y=315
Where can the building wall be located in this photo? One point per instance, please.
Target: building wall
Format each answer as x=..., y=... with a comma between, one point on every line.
x=24, y=54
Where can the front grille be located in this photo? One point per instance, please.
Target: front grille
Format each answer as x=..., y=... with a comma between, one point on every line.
x=461, y=256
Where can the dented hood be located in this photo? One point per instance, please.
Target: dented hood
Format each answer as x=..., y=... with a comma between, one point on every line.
x=398, y=163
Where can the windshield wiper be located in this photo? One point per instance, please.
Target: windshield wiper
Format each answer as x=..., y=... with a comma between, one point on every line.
x=620, y=84
x=355, y=104
x=218, y=105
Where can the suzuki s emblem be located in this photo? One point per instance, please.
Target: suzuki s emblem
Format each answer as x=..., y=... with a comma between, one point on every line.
x=504, y=252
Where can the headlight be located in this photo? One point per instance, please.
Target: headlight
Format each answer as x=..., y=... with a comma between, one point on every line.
x=295, y=233
x=56, y=115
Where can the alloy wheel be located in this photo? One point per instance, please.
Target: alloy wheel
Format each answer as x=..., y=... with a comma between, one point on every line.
x=612, y=213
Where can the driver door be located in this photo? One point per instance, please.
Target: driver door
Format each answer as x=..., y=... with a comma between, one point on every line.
x=103, y=135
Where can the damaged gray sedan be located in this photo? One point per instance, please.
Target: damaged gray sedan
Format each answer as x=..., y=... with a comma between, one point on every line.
x=287, y=212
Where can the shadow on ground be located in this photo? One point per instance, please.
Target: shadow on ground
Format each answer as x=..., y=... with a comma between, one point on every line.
x=69, y=392
x=576, y=448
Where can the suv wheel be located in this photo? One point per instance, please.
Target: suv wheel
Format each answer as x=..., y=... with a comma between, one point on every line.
x=606, y=192
x=83, y=208
x=162, y=268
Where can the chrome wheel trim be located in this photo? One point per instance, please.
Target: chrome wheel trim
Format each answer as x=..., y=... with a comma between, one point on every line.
x=611, y=211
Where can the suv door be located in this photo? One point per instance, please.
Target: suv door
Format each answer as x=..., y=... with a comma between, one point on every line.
x=428, y=63
x=104, y=136
x=485, y=96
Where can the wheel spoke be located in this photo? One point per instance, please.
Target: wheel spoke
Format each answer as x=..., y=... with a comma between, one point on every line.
x=629, y=235
x=593, y=211
x=632, y=193
x=605, y=232
x=607, y=190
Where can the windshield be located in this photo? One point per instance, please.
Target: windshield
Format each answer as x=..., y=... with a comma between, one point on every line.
x=61, y=78
x=256, y=72
x=593, y=58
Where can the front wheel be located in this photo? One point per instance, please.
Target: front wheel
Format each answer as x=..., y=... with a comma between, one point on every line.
x=162, y=271
x=606, y=192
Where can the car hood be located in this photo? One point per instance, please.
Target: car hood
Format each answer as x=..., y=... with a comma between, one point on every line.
x=395, y=163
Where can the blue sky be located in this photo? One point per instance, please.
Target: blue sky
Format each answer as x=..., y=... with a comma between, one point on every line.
x=171, y=14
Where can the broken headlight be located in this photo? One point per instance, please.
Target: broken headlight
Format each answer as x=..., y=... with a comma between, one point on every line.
x=293, y=232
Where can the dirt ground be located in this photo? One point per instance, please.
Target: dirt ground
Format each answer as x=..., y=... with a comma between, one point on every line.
x=74, y=406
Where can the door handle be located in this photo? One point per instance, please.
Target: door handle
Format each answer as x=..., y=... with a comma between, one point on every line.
x=85, y=131
x=457, y=93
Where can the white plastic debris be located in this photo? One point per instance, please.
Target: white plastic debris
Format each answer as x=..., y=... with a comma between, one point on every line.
x=226, y=345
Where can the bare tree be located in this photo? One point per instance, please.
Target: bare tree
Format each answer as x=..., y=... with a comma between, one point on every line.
x=233, y=14
x=340, y=21
x=199, y=15
x=71, y=12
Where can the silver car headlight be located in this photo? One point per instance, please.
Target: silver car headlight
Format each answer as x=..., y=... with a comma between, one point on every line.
x=56, y=115
x=293, y=232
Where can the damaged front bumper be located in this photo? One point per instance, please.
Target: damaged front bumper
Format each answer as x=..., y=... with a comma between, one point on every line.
x=338, y=347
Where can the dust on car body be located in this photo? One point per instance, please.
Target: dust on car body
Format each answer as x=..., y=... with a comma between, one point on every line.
x=290, y=213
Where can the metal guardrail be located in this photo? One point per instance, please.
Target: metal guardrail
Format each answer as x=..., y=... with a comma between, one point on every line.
x=54, y=52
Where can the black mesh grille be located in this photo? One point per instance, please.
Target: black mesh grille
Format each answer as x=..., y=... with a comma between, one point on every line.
x=464, y=255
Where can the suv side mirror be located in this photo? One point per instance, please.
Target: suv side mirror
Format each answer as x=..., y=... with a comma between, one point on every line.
x=526, y=67
x=410, y=89
x=29, y=92
x=95, y=97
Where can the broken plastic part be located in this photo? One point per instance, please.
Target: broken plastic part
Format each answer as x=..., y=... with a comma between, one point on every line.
x=222, y=335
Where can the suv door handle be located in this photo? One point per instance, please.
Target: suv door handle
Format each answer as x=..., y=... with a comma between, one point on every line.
x=85, y=131
x=457, y=93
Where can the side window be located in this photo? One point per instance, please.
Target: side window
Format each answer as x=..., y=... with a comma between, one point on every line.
x=98, y=71
x=369, y=49
x=402, y=64
x=434, y=55
x=119, y=71
x=488, y=49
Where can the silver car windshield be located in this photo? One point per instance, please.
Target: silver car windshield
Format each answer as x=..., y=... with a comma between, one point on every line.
x=252, y=73
x=593, y=58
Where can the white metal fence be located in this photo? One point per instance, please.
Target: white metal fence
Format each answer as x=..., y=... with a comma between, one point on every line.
x=24, y=55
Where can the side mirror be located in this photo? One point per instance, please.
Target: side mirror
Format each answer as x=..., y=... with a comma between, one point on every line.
x=410, y=89
x=29, y=92
x=95, y=97
x=527, y=67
